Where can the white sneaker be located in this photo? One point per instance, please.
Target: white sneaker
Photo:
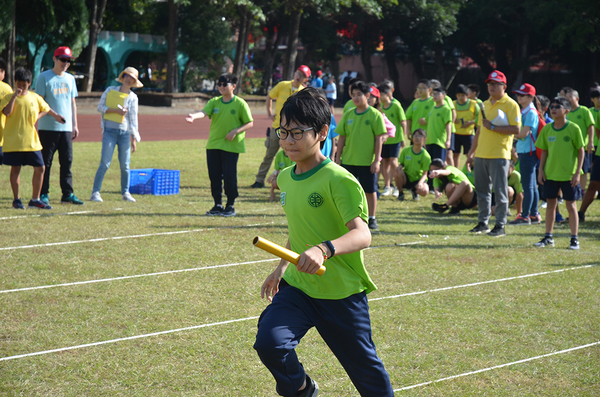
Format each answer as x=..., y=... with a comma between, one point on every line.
x=386, y=191
x=127, y=197
x=396, y=192
x=96, y=197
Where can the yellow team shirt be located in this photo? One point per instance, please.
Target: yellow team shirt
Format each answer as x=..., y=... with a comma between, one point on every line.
x=4, y=90
x=491, y=144
x=20, y=134
x=280, y=93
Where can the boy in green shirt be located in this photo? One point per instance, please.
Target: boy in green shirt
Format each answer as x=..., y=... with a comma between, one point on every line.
x=230, y=118
x=414, y=164
x=361, y=134
x=459, y=190
x=419, y=108
x=439, y=126
x=562, y=147
x=582, y=116
x=594, y=187
x=325, y=210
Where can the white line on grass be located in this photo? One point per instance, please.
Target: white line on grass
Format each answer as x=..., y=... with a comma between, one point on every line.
x=255, y=317
x=95, y=240
x=45, y=215
x=103, y=280
x=481, y=283
x=499, y=366
x=126, y=338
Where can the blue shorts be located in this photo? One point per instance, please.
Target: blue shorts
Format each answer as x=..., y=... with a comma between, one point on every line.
x=436, y=152
x=551, y=189
x=367, y=180
x=390, y=151
x=595, y=175
x=588, y=158
x=464, y=141
x=18, y=159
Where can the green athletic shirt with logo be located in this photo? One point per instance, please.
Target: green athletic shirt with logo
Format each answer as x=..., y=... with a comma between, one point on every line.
x=583, y=118
x=469, y=111
x=437, y=119
x=414, y=164
x=396, y=115
x=318, y=204
x=282, y=161
x=514, y=181
x=226, y=116
x=562, y=146
x=360, y=130
x=596, y=115
x=448, y=101
x=418, y=109
x=456, y=176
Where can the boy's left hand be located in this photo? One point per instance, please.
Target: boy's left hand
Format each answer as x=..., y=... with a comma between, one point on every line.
x=60, y=118
x=310, y=261
x=231, y=136
x=590, y=147
x=575, y=180
x=375, y=167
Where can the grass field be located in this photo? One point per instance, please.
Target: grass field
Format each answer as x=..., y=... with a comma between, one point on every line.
x=155, y=299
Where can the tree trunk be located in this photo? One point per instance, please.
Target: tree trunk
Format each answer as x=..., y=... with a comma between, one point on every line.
x=172, y=72
x=389, y=48
x=292, y=46
x=10, y=78
x=241, y=48
x=271, y=46
x=95, y=28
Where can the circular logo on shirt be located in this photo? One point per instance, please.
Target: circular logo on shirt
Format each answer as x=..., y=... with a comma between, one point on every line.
x=315, y=200
x=367, y=122
x=567, y=139
x=232, y=111
x=438, y=115
x=579, y=117
x=426, y=107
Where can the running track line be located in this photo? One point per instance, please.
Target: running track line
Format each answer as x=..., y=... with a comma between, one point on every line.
x=255, y=317
x=168, y=272
x=46, y=215
x=95, y=240
x=499, y=366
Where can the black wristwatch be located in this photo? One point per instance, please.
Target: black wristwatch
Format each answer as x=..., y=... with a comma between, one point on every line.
x=331, y=248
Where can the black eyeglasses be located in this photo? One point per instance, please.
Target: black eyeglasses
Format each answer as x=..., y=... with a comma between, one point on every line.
x=65, y=60
x=296, y=133
x=555, y=107
x=222, y=84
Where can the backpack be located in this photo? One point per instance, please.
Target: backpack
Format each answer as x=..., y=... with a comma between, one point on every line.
x=541, y=124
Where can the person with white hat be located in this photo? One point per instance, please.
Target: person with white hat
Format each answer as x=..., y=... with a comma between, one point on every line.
x=119, y=108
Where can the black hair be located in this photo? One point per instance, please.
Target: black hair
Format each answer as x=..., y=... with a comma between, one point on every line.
x=385, y=87
x=307, y=107
x=388, y=82
x=426, y=82
x=562, y=101
x=461, y=89
x=228, y=78
x=594, y=93
x=22, y=74
x=3, y=64
x=440, y=90
x=420, y=131
x=435, y=83
x=544, y=101
x=475, y=88
x=438, y=163
x=567, y=90
x=361, y=86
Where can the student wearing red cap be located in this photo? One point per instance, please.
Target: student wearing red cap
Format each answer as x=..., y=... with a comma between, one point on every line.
x=491, y=152
x=280, y=93
x=317, y=82
x=59, y=90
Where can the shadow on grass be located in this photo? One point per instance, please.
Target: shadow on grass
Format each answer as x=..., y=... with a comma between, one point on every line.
x=574, y=264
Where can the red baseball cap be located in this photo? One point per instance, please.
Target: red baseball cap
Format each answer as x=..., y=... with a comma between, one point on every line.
x=498, y=76
x=319, y=73
x=305, y=69
x=375, y=92
x=63, y=52
x=525, y=89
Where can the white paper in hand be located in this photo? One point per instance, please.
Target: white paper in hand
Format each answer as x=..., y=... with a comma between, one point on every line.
x=501, y=119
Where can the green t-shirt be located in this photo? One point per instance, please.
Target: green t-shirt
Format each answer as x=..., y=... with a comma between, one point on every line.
x=562, y=146
x=282, y=161
x=468, y=174
x=514, y=181
x=414, y=164
x=396, y=115
x=583, y=118
x=456, y=176
x=418, y=109
x=360, y=130
x=437, y=119
x=348, y=105
x=448, y=101
x=226, y=116
x=318, y=204
x=596, y=116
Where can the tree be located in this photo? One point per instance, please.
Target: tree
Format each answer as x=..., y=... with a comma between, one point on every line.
x=97, y=14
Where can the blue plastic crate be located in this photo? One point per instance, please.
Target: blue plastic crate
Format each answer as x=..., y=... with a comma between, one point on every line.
x=154, y=181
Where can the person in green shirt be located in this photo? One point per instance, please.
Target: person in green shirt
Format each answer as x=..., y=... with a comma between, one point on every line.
x=439, y=126
x=281, y=161
x=562, y=147
x=582, y=116
x=419, y=108
x=594, y=187
x=452, y=181
x=230, y=118
x=391, y=147
x=448, y=101
x=326, y=213
x=414, y=161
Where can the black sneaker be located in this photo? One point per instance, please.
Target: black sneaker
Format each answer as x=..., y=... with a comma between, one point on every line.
x=454, y=211
x=257, y=185
x=497, y=231
x=480, y=228
x=441, y=208
x=311, y=389
x=373, y=224
x=17, y=204
x=215, y=211
x=38, y=204
x=400, y=196
x=228, y=211
x=574, y=244
x=415, y=196
x=545, y=242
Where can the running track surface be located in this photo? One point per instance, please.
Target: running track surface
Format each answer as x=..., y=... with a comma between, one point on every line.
x=168, y=127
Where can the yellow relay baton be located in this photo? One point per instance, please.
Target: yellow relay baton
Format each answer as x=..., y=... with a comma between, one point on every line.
x=281, y=252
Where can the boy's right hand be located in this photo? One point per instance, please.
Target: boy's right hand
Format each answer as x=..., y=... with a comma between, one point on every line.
x=190, y=118
x=541, y=176
x=422, y=121
x=18, y=91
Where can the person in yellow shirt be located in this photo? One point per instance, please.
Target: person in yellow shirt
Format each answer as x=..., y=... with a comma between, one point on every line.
x=21, y=142
x=490, y=153
x=280, y=93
